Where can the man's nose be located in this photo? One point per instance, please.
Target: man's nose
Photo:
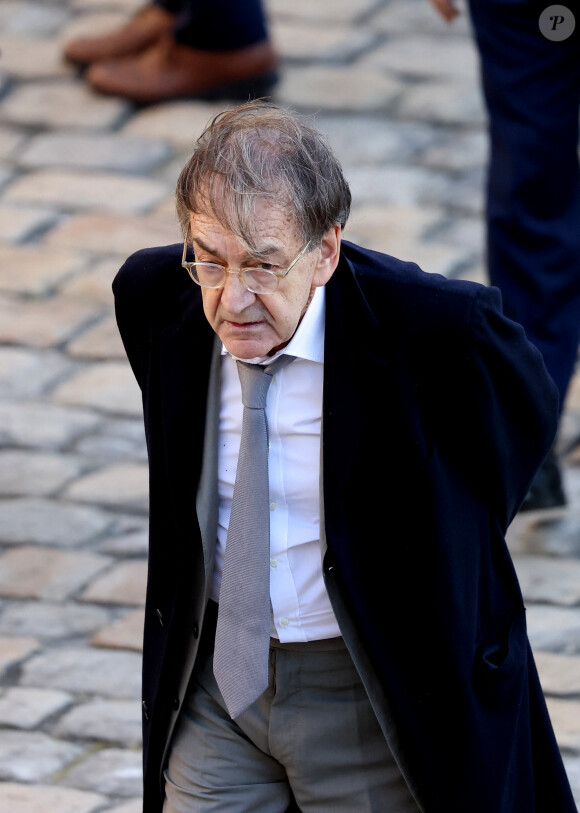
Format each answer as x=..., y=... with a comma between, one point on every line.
x=235, y=296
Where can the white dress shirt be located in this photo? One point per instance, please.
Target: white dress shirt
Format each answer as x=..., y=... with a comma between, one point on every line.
x=301, y=609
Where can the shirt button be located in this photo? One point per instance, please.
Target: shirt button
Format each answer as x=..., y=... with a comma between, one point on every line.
x=273, y=563
x=284, y=622
x=273, y=506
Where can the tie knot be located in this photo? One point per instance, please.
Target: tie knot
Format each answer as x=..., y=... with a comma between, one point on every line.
x=255, y=382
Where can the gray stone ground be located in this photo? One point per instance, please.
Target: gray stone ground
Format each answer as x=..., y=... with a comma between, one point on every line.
x=84, y=181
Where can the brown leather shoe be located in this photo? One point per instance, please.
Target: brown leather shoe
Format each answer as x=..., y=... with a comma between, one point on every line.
x=168, y=70
x=140, y=32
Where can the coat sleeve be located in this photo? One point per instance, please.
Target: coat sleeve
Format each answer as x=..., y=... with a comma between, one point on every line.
x=132, y=298
x=507, y=411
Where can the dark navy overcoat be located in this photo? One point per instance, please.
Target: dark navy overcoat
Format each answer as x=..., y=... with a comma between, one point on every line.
x=437, y=412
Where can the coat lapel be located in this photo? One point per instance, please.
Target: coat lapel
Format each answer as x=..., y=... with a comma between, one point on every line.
x=356, y=380
x=186, y=353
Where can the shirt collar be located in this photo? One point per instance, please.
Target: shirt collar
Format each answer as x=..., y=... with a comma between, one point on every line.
x=308, y=341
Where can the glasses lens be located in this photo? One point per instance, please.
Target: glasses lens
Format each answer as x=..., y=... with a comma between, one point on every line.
x=259, y=280
x=208, y=275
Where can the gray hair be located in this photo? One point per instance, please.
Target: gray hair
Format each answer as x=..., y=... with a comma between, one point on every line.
x=259, y=151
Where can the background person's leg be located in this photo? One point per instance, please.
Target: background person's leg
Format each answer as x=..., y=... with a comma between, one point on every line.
x=532, y=91
x=221, y=25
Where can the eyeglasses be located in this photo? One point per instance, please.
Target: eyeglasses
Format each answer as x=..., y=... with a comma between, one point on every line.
x=258, y=279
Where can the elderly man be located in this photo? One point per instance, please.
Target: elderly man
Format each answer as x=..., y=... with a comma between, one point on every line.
x=337, y=444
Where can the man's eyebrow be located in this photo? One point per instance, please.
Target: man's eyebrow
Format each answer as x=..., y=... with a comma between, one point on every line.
x=259, y=253
x=204, y=246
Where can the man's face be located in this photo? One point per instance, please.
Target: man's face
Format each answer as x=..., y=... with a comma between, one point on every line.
x=255, y=325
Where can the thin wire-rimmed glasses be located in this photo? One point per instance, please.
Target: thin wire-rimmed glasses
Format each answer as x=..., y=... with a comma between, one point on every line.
x=258, y=280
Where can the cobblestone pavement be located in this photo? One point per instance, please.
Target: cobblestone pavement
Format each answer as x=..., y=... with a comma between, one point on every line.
x=86, y=180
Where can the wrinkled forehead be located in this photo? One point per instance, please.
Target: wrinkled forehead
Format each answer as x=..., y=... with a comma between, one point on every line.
x=256, y=220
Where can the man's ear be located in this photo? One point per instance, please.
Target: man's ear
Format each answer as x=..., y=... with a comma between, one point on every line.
x=329, y=256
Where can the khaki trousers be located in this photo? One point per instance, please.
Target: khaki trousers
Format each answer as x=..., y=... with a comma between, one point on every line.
x=310, y=743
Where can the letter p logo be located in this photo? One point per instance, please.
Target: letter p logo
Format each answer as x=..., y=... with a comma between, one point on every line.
x=557, y=23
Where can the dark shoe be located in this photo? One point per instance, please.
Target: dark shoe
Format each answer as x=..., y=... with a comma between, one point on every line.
x=139, y=33
x=546, y=490
x=168, y=70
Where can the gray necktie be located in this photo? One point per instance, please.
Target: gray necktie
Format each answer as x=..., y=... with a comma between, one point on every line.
x=243, y=628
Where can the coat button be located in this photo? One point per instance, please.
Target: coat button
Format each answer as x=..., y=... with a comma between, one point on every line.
x=195, y=631
x=176, y=703
x=160, y=616
x=145, y=710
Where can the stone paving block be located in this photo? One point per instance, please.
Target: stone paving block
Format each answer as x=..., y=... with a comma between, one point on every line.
x=61, y=104
x=27, y=373
x=463, y=232
x=27, y=423
x=565, y=716
x=102, y=341
x=365, y=140
x=124, y=6
x=105, y=151
x=108, y=386
x=559, y=674
x=6, y=174
x=31, y=473
x=401, y=186
x=19, y=223
x=449, y=102
x=395, y=226
x=554, y=629
x=544, y=578
x=112, y=721
x=119, y=234
x=94, y=285
x=133, y=543
x=47, y=522
x=40, y=798
x=345, y=11
x=28, y=756
x=458, y=151
x=336, y=88
x=425, y=57
x=43, y=323
x=95, y=22
x=119, y=440
x=124, y=583
x=555, y=535
x=127, y=633
x=25, y=57
x=19, y=17
x=87, y=190
x=304, y=40
x=27, y=708
x=44, y=573
x=112, y=771
x=11, y=141
x=124, y=485
x=85, y=671
x=36, y=270
x=15, y=650
x=52, y=620
x=463, y=194
x=133, y=806
x=400, y=231
x=178, y=123
x=572, y=766
x=414, y=17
